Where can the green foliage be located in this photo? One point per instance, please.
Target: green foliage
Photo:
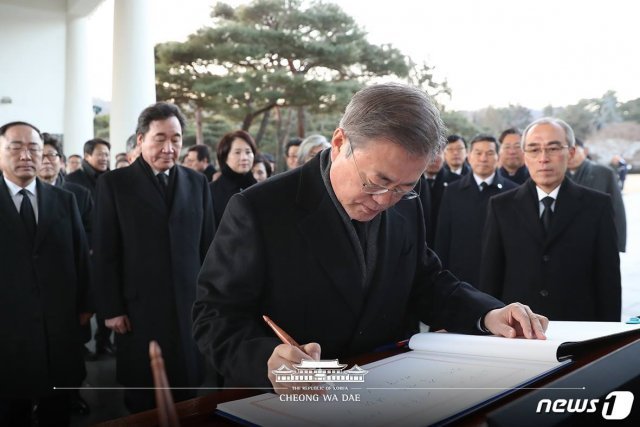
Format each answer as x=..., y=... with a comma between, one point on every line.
x=581, y=117
x=630, y=110
x=494, y=120
x=457, y=123
x=277, y=53
x=262, y=65
x=213, y=128
x=101, y=126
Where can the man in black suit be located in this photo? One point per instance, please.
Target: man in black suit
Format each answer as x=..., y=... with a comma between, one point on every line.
x=602, y=178
x=334, y=252
x=291, y=152
x=455, y=155
x=464, y=209
x=43, y=292
x=198, y=158
x=512, y=156
x=552, y=243
x=49, y=172
x=94, y=164
x=153, y=226
x=436, y=179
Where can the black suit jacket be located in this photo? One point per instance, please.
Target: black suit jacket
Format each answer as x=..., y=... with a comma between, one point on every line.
x=209, y=171
x=282, y=250
x=520, y=177
x=84, y=200
x=146, y=255
x=602, y=178
x=42, y=291
x=463, y=211
x=466, y=169
x=571, y=274
x=86, y=176
x=434, y=192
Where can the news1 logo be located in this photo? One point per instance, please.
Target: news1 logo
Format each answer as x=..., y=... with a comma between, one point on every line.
x=616, y=406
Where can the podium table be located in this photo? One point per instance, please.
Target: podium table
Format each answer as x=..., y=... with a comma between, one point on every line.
x=200, y=411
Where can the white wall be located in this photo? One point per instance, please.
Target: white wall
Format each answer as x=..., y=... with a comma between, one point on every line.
x=32, y=66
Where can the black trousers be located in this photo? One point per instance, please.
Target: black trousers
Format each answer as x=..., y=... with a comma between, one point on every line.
x=48, y=411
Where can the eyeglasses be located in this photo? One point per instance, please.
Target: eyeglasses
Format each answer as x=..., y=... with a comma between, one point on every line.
x=375, y=189
x=536, y=152
x=17, y=149
x=51, y=156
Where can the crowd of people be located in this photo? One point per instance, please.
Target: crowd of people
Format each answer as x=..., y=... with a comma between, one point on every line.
x=383, y=225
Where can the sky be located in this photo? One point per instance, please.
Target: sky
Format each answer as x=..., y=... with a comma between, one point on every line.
x=491, y=52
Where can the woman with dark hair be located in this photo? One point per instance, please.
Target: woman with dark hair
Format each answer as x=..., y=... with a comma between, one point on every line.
x=236, y=151
x=261, y=168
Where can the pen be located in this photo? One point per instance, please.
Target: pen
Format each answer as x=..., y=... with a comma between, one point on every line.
x=284, y=337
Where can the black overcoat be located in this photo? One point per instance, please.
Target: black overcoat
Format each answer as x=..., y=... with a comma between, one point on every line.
x=282, y=250
x=572, y=272
x=42, y=292
x=463, y=211
x=146, y=255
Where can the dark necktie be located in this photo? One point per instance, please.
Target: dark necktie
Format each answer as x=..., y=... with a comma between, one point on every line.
x=547, y=213
x=163, y=179
x=431, y=182
x=27, y=214
x=483, y=186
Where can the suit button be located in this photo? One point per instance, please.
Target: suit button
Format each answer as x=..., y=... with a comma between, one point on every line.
x=544, y=293
x=546, y=258
x=360, y=332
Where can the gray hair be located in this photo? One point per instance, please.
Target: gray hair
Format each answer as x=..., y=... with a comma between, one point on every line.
x=402, y=114
x=308, y=144
x=570, y=136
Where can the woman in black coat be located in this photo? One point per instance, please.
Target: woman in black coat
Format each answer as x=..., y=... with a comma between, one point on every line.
x=236, y=151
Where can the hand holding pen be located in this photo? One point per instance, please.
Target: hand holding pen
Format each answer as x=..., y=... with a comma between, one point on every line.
x=289, y=353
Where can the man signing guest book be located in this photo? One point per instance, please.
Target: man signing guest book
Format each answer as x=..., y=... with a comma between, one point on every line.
x=334, y=253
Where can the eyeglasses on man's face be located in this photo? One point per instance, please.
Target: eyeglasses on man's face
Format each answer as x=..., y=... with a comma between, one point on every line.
x=375, y=189
x=52, y=156
x=16, y=149
x=535, y=151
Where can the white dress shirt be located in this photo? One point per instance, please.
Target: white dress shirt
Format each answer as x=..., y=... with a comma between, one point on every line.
x=542, y=195
x=17, y=198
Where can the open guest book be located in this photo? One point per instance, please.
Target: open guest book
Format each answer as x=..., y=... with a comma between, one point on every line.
x=446, y=376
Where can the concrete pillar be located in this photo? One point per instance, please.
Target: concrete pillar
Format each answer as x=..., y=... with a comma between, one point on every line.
x=78, y=108
x=133, y=69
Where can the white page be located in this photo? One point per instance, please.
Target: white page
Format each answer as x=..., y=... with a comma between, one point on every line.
x=557, y=333
x=487, y=346
x=582, y=331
